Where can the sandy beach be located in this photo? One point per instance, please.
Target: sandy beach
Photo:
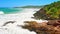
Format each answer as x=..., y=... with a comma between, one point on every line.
x=25, y=15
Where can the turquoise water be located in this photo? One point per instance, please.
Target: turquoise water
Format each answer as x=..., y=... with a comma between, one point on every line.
x=10, y=10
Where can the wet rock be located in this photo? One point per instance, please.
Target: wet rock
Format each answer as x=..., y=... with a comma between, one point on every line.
x=43, y=28
x=8, y=22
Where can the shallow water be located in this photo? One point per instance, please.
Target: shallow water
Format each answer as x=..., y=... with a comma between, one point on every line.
x=10, y=10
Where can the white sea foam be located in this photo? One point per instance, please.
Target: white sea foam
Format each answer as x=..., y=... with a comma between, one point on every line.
x=1, y=12
x=25, y=15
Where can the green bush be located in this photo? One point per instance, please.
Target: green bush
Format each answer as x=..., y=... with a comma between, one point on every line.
x=52, y=11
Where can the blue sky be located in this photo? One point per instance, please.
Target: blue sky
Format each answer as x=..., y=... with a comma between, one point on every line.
x=16, y=3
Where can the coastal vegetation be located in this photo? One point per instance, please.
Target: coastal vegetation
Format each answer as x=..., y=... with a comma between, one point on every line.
x=49, y=12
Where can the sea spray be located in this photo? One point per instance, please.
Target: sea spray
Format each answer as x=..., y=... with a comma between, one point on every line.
x=25, y=15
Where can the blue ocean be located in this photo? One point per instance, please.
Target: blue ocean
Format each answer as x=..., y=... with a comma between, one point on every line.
x=10, y=10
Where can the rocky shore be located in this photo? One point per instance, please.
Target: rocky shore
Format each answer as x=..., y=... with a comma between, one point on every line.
x=50, y=27
x=51, y=13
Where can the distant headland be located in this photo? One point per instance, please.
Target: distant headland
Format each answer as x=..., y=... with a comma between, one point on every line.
x=29, y=6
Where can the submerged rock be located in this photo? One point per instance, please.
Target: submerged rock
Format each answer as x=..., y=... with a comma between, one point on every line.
x=8, y=22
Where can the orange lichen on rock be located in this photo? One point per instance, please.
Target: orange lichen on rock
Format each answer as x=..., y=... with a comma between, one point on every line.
x=50, y=27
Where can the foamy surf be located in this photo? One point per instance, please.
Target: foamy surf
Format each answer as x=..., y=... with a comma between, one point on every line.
x=19, y=18
x=1, y=12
